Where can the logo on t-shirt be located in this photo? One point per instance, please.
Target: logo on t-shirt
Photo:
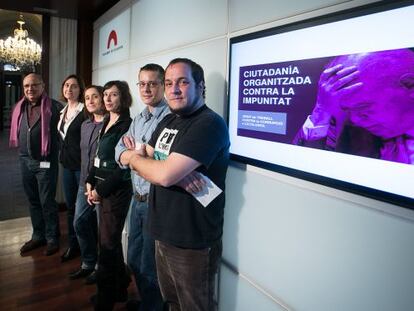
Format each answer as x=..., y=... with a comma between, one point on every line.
x=164, y=143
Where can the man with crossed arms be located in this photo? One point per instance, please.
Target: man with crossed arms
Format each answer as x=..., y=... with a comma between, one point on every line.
x=140, y=254
x=191, y=141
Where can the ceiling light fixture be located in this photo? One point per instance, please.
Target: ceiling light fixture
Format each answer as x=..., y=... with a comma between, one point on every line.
x=20, y=51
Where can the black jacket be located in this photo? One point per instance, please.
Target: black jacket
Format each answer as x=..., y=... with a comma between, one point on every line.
x=109, y=177
x=70, y=153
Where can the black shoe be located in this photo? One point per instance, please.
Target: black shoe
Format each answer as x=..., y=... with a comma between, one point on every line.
x=121, y=295
x=51, y=248
x=80, y=273
x=31, y=245
x=91, y=278
x=93, y=299
x=103, y=303
x=132, y=305
x=69, y=254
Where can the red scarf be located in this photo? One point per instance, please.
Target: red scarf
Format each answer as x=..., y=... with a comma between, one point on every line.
x=45, y=115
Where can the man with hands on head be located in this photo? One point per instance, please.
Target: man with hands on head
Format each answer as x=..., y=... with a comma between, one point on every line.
x=140, y=254
x=191, y=141
x=365, y=106
x=322, y=128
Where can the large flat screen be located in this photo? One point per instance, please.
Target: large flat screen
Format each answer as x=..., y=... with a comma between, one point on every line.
x=330, y=100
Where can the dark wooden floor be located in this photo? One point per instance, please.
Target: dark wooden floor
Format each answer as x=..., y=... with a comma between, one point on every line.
x=38, y=282
x=33, y=282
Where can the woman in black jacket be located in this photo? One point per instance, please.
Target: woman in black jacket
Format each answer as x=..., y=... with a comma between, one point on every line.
x=69, y=127
x=111, y=186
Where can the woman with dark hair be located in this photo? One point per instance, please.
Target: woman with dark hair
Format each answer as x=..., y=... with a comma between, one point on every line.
x=85, y=222
x=111, y=186
x=69, y=127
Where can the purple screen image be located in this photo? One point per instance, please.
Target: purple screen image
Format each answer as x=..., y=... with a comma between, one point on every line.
x=365, y=101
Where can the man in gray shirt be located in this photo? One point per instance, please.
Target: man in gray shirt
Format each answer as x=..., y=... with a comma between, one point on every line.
x=140, y=256
x=34, y=131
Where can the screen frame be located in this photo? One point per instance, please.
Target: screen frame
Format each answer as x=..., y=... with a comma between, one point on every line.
x=360, y=11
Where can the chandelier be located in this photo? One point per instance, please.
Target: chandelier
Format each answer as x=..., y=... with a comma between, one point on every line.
x=20, y=51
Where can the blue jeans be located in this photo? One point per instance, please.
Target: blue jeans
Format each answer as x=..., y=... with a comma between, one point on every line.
x=141, y=257
x=187, y=276
x=85, y=225
x=70, y=191
x=40, y=188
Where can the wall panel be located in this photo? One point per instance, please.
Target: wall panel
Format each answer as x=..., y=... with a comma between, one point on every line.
x=162, y=25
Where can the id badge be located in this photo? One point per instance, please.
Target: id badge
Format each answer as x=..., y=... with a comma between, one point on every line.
x=44, y=164
x=96, y=162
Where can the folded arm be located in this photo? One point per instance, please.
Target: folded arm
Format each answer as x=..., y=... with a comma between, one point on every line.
x=164, y=173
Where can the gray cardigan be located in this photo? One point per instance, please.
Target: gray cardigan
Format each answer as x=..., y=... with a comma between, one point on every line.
x=88, y=144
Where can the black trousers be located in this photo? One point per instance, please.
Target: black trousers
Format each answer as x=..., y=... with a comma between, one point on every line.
x=112, y=279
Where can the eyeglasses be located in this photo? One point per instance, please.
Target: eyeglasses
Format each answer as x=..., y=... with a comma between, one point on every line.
x=151, y=84
x=34, y=85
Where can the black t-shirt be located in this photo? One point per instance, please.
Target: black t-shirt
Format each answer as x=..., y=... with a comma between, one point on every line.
x=175, y=216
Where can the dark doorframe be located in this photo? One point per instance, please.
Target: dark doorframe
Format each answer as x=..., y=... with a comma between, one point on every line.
x=11, y=91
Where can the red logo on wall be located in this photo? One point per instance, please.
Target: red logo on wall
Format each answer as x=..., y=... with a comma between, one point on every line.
x=112, y=37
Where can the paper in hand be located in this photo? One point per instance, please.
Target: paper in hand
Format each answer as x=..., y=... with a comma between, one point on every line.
x=209, y=193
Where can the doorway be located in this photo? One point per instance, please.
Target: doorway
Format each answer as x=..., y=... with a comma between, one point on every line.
x=11, y=91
